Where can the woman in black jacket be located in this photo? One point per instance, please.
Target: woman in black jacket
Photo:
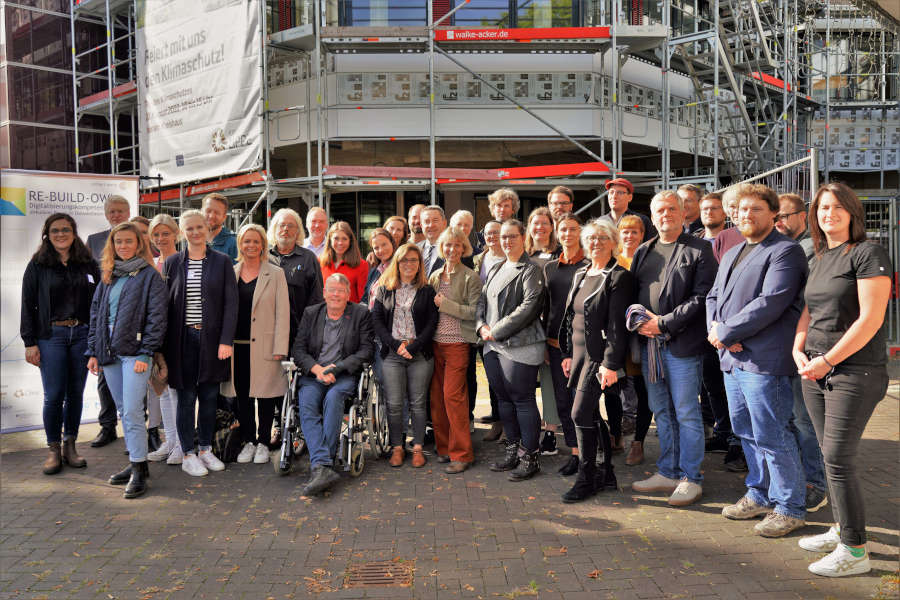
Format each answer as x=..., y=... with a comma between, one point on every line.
x=593, y=341
x=57, y=288
x=128, y=324
x=405, y=318
x=508, y=320
x=203, y=307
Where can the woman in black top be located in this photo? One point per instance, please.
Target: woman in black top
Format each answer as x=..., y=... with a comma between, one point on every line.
x=57, y=288
x=839, y=351
x=405, y=318
x=559, y=274
x=593, y=341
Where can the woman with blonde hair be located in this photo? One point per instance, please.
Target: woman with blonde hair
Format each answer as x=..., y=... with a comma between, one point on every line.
x=162, y=402
x=342, y=255
x=457, y=290
x=202, y=318
x=128, y=324
x=260, y=342
x=405, y=318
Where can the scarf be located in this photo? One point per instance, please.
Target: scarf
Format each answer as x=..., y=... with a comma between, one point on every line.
x=635, y=316
x=130, y=267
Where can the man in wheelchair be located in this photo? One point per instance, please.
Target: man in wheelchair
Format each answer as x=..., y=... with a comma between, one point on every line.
x=333, y=341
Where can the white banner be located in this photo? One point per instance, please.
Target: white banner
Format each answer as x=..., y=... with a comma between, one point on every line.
x=199, y=88
x=27, y=198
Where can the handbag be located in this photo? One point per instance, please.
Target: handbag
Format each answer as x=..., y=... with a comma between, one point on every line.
x=159, y=374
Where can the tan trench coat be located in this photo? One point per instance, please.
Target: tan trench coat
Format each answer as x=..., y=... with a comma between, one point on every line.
x=270, y=328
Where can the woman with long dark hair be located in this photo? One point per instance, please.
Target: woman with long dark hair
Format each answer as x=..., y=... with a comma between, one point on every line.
x=128, y=324
x=839, y=351
x=57, y=289
x=342, y=255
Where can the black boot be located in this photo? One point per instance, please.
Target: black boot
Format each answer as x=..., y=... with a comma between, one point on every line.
x=122, y=477
x=153, y=441
x=137, y=485
x=106, y=436
x=585, y=486
x=606, y=478
x=529, y=465
x=571, y=466
x=511, y=457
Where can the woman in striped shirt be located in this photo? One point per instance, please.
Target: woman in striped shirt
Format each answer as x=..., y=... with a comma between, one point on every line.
x=203, y=307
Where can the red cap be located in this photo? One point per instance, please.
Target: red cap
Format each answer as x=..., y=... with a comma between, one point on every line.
x=620, y=181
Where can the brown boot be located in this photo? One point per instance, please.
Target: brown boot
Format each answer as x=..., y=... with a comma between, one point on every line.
x=494, y=434
x=418, y=459
x=635, y=454
x=70, y=454
x=53, y=464
x=397, y=455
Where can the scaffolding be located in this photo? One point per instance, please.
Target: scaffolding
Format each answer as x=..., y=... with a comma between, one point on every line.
x=117, y=100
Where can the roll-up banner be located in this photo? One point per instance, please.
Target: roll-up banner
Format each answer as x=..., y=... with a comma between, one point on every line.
x=199, y=87
x=27, y=198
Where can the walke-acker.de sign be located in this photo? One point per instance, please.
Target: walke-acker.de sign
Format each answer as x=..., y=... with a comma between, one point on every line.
x=199, y=86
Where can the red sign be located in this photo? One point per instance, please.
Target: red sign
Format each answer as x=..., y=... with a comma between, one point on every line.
x=524, y=34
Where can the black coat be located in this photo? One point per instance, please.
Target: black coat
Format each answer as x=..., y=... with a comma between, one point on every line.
x=35, y=318
x=220, y=308
x=690, y=274
x=140, y=326
x=304, y=279
x=606, y=338
x=424, y=314
x=358, y=346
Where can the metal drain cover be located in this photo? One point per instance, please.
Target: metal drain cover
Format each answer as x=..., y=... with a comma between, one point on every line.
x=384, y=573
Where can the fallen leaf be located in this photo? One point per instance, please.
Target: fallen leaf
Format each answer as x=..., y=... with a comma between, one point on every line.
x=595, y=574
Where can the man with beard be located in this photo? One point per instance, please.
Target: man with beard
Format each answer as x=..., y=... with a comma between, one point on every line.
x=752, y=313
x=415, y=223
x=303, y=274
x=219, y=237
x=504, y=205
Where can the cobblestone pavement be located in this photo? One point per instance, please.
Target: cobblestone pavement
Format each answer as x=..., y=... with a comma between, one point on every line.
x=247, y=533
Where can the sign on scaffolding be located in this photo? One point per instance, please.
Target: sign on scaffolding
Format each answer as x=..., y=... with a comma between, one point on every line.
x=199, y=87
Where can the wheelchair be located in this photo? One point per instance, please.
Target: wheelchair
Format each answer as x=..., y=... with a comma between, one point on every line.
x=364, y=424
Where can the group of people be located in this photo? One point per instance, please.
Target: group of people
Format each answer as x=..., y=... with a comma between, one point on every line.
x=768, y=333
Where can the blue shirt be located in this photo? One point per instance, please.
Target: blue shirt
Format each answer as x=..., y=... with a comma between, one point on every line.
x=114, y=292
x=226, y=243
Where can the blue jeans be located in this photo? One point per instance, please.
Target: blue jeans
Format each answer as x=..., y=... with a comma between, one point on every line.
x=128, y=391
x=760, y=407
x=805, y=434
x=63, y=374
x=321, y=412
x=676, y=406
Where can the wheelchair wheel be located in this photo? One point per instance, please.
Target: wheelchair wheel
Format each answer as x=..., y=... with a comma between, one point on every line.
x=378, y=427
x=357, y=461
x=284, y=463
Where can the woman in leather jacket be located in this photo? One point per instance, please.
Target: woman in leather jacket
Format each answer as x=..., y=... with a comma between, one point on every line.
x=593, y=341
x=508, y=321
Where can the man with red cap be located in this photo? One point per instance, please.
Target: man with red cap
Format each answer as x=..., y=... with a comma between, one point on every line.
x=619, y=192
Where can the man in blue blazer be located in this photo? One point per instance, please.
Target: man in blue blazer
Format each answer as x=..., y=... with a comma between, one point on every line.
x=752, y=313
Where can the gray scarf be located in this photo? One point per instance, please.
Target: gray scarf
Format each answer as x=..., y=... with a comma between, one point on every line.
x=129, y=267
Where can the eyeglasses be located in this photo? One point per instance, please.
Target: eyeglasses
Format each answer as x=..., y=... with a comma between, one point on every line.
x=409, y=260
x=597, y=238
x=782, y=217
x=510, y=236
x=560, y=204
x=60, y=231
x=287, y=225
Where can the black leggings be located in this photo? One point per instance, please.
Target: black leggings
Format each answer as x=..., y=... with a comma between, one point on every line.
x=644, y=414
x=586, y=413
x=613, y=400
x=265, y=407
x=840, y=407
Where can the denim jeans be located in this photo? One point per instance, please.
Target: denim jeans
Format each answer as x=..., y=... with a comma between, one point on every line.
x=63, y=374
x=675, y=403
x=406, y=382
x=195, y=398
x=321, y=413
x=514, y=384
x=760, y=407
x=128, y=391
x=805, y=434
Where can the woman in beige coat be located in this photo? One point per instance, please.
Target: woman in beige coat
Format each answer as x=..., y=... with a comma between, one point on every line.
x=260, y=342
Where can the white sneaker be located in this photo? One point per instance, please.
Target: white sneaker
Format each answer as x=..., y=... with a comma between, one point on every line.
x=175, y=456
x=824, y=542
x=211, y=462
x=246, y=454
x=686, y=493
x=162, y=453
x=841, y=563
x=656, y=483
x=262, y=455
x=193, y=466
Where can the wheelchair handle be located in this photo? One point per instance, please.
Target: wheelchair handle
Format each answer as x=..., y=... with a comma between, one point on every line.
x=288, y=365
